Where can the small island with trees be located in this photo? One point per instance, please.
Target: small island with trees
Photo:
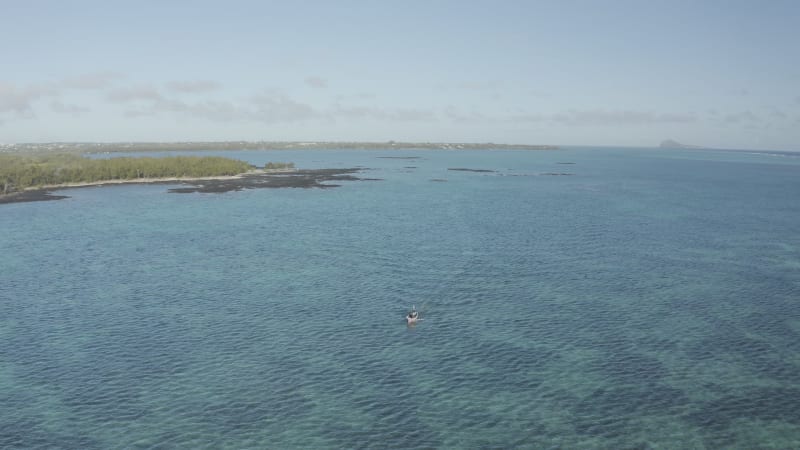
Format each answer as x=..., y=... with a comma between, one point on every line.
x=25, y=178
x=19, y=173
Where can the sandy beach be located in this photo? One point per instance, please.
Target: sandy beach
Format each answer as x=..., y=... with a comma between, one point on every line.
x=159, y=180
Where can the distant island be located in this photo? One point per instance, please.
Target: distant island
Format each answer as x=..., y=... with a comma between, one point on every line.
x=22, y=174
x=101, y=147
x=669, y=143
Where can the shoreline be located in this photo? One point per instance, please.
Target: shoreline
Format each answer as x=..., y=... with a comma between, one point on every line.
x=253, y=179
x=155, y=180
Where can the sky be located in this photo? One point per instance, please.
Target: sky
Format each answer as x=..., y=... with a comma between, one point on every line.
x=723, y=74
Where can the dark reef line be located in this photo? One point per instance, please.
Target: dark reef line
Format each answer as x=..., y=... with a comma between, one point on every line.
x=309, y=178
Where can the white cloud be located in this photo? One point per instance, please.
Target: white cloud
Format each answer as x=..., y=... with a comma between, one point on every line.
x=61, y=108
x=601, y=117
x=625, y=117
x=479, y=85
x=16, y=102
x=455, y=115
x=268, y=107
x=531, y=117
x=741, y=117
x=357, y=97
x=193, y=86
x=390, y=114
x=20, y=101
x=97, y=80
x=220, y=111
x=277, y=107
x=134, y=113
x=317, y=82
x=130, y=94
x=777, y=114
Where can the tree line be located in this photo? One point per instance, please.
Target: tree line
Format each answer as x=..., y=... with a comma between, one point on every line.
x=18, y=172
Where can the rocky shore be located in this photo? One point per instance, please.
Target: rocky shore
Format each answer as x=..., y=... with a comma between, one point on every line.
x=309, y=178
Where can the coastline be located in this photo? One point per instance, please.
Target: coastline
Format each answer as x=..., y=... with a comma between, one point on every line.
x=156, y=180
x=253, y=179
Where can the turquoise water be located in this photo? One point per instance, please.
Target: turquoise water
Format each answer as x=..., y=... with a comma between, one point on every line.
x=649, y=300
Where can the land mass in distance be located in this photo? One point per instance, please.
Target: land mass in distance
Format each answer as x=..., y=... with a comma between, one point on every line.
x=99, y=147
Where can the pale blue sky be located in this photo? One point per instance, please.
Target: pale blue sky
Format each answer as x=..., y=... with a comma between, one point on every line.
x=712, y=73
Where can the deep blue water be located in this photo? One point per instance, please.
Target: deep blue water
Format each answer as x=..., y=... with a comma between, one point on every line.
x=651, y=299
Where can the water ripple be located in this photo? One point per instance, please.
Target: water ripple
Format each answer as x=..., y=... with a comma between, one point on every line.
x=616, y=308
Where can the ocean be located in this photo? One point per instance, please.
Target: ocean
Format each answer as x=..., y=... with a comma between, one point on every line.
x=579, y=298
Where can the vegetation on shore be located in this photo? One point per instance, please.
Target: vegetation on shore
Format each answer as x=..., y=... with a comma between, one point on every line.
x=18, y=172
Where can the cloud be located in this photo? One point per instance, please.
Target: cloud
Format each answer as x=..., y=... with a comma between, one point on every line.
x=97, y=80
x=131, y=94
x=360, y=96
x=531, y=117
x=61, y=108
x=317, y=82
x=604, y=118
x=394, y=114
x=741, y=117
x=277, y=107
x=472, y=117
x=601, y=117
x=267, y=107
x=14, y=100
x=777, y=114
x=476, y=86
x=193, y=86
x=479, y=85
x=219, y=111
x=132, y=113
x=18, y=101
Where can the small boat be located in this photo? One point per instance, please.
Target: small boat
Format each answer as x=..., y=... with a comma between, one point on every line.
x=412, y=316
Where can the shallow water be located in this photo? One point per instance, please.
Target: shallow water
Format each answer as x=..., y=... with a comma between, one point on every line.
x=647, y=300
